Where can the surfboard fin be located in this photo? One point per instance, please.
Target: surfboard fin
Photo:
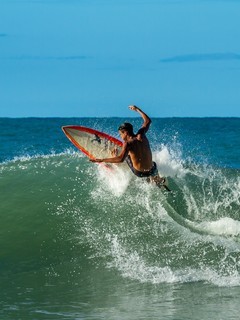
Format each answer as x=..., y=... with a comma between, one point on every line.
x=163, y=184
x=166, y=187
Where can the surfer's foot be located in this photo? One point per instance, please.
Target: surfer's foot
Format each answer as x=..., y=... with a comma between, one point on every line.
x=160, y=182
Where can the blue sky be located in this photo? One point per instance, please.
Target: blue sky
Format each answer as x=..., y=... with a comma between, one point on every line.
x=64, y=58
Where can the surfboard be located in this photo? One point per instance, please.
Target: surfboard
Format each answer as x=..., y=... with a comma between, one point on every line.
x=93, y=143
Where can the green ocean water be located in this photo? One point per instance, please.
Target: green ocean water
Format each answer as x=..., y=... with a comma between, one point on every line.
x=80, y=242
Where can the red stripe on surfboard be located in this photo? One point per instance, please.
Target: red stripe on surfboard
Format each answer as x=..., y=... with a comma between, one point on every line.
x=77, y=145
x=92, y=131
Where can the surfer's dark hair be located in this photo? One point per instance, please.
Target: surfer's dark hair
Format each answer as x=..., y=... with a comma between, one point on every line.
x=127, y=127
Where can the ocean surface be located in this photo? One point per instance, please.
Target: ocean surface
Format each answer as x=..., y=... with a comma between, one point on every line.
x=80, y=242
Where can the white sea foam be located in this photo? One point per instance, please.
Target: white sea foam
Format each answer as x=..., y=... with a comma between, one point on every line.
x=224, y=226
x=132, y=265
x=115, y=178
x=169, y=162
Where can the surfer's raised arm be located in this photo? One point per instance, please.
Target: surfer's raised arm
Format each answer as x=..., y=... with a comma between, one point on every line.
x=146, y=119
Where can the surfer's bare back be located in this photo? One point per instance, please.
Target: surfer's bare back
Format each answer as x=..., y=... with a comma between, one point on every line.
x=136, y=150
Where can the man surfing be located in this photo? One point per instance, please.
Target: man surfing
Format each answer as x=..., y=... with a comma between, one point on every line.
x=137, y=152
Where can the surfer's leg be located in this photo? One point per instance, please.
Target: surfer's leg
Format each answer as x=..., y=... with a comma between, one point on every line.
x=159, y=181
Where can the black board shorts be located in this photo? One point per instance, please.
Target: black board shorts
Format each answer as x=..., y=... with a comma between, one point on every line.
x=143, y=174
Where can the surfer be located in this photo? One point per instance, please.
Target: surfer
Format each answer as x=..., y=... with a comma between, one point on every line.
x=137, y=152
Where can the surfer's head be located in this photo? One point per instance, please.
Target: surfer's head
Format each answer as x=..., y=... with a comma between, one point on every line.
x=126, y=128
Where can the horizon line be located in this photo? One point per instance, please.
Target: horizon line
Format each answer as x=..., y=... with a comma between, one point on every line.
x=118, y=117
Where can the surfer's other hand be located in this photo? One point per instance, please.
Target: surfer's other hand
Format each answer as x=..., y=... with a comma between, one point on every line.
x=114, y=152
x=134, y=108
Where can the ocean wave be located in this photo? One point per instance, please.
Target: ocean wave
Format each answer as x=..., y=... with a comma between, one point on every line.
x=146, y=234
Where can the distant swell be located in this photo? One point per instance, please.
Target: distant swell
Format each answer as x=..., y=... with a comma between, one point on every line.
x=202, y=57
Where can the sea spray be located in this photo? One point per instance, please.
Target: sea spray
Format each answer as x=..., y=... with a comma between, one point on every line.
x=149, y=241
